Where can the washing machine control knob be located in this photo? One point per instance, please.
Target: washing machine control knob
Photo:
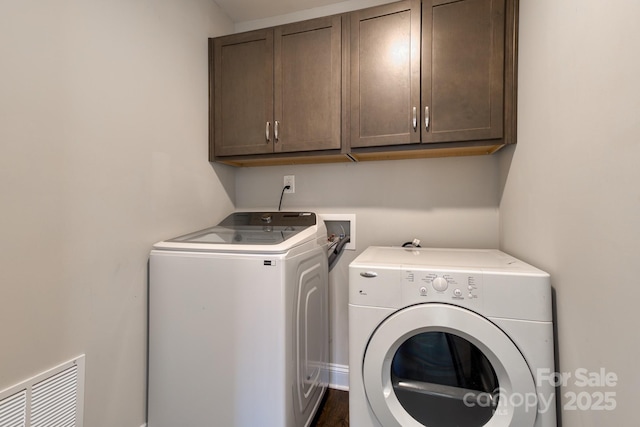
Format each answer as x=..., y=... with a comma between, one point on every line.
x=440, y=284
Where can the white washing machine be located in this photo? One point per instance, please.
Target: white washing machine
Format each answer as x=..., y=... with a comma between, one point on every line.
x=238, y=323
x=447, y=337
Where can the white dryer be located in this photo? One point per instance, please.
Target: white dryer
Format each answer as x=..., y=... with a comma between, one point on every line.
x=238, y=323
x=448, y=337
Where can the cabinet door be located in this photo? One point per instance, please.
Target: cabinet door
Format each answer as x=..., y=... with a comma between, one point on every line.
x=243, y=93
x=307, y=96
x=463, y=70
x=385, y=75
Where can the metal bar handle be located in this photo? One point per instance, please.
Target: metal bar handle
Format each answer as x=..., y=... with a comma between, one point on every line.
x=275, y=130
x=415, y=119
x=426, y=119
x=267, y=128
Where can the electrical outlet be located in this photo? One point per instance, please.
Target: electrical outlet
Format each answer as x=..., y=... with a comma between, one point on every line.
x=290, y=180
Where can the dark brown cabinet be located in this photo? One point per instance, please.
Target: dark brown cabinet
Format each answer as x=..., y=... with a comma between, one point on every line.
x=278, y=90
x=308, y=85
x=463, y=70
x=242, y=98
x=414, y=78
x=385, y=75
x=445, y=83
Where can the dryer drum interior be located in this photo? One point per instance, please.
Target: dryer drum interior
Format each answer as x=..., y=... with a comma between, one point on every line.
x=441, y=379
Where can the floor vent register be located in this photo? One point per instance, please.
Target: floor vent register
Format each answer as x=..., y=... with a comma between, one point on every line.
x=54, y=398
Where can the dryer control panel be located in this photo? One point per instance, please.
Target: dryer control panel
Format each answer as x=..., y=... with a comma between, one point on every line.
x=462, y=288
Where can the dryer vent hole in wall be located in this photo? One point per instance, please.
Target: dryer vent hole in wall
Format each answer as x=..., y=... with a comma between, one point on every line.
x=51, y=398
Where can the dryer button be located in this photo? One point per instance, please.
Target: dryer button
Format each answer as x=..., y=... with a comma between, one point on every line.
x=423, y=291
x=440, y=284
x=457, y=292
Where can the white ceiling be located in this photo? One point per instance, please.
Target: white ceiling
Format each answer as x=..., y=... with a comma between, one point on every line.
x=250, y=10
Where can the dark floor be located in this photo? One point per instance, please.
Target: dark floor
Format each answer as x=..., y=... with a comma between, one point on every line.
x=334, y=411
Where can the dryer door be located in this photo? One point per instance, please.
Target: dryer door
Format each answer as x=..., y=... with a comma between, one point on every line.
x=439, y=365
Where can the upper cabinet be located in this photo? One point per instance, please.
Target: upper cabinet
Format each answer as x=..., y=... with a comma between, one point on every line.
x=308, y=67
x=385, y=75
x=462, y=70
x=438, y=79
x=406, y=79
x=277, y=90
x=242, y=97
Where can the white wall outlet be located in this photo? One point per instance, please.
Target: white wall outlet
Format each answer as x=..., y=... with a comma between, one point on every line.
x=290, y=180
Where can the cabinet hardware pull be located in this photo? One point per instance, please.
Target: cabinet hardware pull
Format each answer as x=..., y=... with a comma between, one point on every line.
x=266, y=131
x=415, y=119
x=426, y=119
x=275, y=130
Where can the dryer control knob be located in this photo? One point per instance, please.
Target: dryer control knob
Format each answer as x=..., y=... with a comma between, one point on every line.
x=440, y=284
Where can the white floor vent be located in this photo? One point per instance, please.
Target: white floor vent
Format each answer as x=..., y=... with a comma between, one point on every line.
x=54, y=398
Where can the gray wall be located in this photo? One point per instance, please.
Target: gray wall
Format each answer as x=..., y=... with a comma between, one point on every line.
x=103, y=137
x=449, y=202
x=570, y=199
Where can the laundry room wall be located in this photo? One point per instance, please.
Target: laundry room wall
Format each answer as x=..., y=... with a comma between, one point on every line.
x=570, y=193
x=104, y=139
x=444, y=202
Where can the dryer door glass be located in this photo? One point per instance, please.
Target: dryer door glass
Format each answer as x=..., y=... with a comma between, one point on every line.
x=440, y=365
x=441, y=379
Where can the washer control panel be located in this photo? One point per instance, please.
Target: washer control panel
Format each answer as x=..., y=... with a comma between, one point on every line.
x=460, y=288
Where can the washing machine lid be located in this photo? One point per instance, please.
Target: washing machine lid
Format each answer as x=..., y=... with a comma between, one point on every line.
x=250, y=232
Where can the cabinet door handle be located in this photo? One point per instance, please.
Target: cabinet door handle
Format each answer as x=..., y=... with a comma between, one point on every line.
x=426, y=119
x=415, y=119
x=267, y=129
x=275, y=130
